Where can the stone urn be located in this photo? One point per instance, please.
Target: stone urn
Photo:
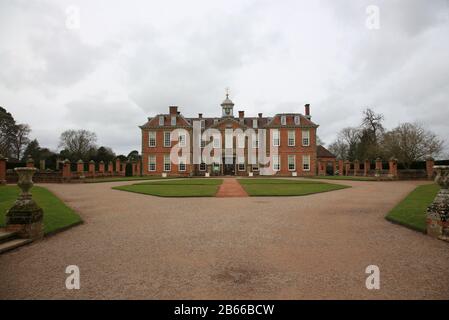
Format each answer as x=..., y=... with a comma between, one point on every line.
x=438, y=211
x=25, y=217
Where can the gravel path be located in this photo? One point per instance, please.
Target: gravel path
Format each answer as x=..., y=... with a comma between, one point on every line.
x=317, y=246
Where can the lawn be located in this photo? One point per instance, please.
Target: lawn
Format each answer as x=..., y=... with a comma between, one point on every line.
x=176, y=188
x=56, y=214
x=411, y=212
x=349, y=178
x=283, y=187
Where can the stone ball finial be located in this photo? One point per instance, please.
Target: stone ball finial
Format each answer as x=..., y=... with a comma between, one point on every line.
x=91, y=161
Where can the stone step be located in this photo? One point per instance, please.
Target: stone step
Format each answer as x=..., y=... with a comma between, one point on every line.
x=6, y=235
x=12, y=244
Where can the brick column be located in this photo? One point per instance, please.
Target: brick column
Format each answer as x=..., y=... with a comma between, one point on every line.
x=111, y=167
x=356, y=167
x=340, y=167
x=367, y=167
x=134, y=166
x=347, y=167
x=430, y=162
x=139, y=171
x=66, y=171
x=2, y=170
x=334, y=164
x=101, y=167
x=80, y=167
x=321, y=170
x=92, y=168
x=379, y=164
x=118, y=168
x=393, y=168
x=30, y=162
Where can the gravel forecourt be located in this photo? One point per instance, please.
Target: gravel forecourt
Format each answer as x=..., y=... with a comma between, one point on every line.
x=135, y=246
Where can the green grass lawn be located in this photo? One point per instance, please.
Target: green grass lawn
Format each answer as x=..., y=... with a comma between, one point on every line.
x=411, y=212
x=350, y=178
x=56, y=214
x=176, y=188
x=282, y=187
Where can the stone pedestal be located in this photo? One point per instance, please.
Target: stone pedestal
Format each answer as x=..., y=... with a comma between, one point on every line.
x=25, y=217
x=438, y=212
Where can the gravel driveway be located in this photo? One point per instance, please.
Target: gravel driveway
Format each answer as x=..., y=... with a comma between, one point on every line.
x=311, y=247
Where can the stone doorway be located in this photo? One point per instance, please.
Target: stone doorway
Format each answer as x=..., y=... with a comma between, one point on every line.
x=229, y=168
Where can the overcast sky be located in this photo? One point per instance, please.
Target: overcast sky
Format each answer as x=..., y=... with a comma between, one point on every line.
x=127, y=60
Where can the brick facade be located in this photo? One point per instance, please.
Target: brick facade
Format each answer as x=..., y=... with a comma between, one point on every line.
x=297, y=151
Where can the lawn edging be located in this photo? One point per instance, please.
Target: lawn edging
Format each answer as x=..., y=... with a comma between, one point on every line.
x=411, y=211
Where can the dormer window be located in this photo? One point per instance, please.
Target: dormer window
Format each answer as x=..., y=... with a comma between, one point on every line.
x=254, y=123
x=297, y=120
x=283, y=120
x=173, y=120
x=161, y=120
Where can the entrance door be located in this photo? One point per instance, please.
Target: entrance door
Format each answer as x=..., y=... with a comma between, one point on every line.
x=228, y=168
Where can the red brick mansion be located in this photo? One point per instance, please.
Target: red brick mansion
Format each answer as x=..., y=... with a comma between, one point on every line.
x=293, y=135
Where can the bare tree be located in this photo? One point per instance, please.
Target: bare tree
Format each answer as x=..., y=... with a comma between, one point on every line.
x=411, y=142
x=78, y=144
x=373, y=122
x=21, y=139
x=339, y=148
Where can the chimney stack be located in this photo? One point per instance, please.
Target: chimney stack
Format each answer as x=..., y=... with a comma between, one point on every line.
x=200, y=115
x=260, y=115
x=307, y=111
x=241, y=115
x=173, y=110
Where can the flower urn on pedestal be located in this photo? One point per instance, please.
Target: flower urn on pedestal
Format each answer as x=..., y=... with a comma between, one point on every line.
x=25, y=217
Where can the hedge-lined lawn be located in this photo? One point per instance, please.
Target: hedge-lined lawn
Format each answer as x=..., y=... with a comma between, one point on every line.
x=283, y=187
x=411, y=212
x=176, y=188
x=348, y=178
x=56, y=214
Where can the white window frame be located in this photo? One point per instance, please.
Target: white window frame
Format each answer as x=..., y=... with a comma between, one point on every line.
x=151, y=162
x=167, y=164
x=276, y=138
x=161, y=120
x=305, y=138
x=152, y=137
x=203, y=124
x=306, y=163
x=291, y=141
x=241, y=164
x=289, y=162
x=167, y=143
x=203, y=166
x=173, y=120
x=254, y=123
x=283, y=120
x=255, y=142
x=217, y=142
x=276, y=162
x=182, y=162
x=182, y=139
x=297, y=120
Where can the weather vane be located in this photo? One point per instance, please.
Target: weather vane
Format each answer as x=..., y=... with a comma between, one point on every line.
x=227, y=92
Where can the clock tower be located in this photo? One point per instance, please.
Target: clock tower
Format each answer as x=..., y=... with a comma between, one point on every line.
x=227, y=106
